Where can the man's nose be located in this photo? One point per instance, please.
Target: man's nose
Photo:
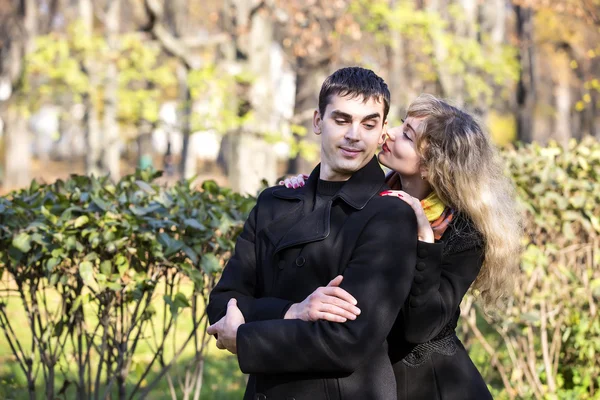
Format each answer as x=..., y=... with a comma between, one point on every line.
x=353, y=133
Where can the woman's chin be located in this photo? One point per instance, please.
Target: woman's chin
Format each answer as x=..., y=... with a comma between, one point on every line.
x=383, y=159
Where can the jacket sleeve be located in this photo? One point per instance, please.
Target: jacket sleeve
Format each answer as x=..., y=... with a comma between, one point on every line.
x=438, y=287
x=239, y=281
x=378, y=275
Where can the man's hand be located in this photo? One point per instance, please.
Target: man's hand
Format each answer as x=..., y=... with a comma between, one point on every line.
x=225, y=329
x=330, y=303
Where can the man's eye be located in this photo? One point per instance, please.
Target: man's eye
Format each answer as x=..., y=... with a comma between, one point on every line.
x=340, y=121
x=369, y=126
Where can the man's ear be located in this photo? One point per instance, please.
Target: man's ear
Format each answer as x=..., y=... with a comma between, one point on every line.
x=317, y=122
x=383, y=133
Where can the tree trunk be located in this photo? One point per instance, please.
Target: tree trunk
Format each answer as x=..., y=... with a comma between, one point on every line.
x=17, y=145
x=494, y=20
x=563, y=101
x=176, y=16
x=93, y=157
x=144, y=142
x=309, y=79
x=187, y=168
x=112, y=141
x=401, y=90
x=526, y=87
x=17, y=139
x=251, y=158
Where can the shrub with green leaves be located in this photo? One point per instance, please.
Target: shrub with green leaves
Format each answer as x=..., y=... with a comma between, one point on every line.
x=107, y=250
x=87, y=259
x=546, y=346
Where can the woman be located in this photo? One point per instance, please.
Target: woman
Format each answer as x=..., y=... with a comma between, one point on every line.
x=447, y=170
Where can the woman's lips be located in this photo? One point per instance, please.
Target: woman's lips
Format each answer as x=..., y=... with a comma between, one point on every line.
x=385, y=148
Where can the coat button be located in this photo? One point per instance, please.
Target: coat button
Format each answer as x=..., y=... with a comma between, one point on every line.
x=260, y=396
x=416, y=291
x=419, y=279
x=300, y=261
x=421, y=265
x=422, y=252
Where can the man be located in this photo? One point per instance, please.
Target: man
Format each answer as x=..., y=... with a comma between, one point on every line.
x=298, y=240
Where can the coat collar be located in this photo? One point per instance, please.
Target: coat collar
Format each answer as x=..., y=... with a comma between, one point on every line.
x=304, y=224
x=358, y=190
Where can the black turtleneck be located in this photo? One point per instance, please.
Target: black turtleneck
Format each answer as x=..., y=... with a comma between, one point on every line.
x=326, y=190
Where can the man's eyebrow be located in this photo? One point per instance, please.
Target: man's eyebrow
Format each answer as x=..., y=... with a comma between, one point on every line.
x=340, y=114
x=372, y=116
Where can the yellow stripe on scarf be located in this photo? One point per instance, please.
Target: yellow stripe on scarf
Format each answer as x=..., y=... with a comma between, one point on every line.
x=433, y=206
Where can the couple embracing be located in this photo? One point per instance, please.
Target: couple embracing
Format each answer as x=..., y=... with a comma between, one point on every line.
x=347, y=285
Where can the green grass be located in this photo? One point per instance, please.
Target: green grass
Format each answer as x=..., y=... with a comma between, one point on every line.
x=222, y=379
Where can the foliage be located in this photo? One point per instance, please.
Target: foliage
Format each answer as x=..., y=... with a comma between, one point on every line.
x=106, y=248
x=437, y=45
x=560, y=187
x=543, y=346
x=62, y=69
x=88, y=260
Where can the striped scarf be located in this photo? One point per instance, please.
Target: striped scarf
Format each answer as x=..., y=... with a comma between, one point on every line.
x=437, y=214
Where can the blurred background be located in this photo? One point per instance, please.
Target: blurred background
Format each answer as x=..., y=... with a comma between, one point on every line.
x=224, y=91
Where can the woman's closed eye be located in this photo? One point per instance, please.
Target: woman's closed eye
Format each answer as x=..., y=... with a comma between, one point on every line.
x=406, y=136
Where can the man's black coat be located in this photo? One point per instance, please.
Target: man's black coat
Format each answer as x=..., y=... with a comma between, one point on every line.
x=285, y=252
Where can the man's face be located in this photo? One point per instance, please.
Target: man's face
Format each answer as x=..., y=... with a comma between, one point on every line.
x=350, y=129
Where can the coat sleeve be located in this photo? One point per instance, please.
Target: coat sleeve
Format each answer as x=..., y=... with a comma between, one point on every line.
x=239, y=281
x=378, y=275
x=438, y=287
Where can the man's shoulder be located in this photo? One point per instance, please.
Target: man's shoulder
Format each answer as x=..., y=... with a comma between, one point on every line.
x=275, y=192
x=388, y=204
x=268, y=192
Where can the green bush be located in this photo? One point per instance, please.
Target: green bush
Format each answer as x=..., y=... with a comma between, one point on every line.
x=106, y=249
x=86, y=258
x=546, y=346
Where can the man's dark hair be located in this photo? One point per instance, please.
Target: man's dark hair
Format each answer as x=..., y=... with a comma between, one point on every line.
x=354, y=82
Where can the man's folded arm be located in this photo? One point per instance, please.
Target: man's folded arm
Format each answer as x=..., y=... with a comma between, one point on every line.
x=239, y=281
x=379, y=276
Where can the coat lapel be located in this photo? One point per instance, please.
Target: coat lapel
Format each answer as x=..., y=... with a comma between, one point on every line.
x=302, y=224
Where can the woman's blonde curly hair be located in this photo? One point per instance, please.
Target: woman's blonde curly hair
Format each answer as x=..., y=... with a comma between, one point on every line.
x=464, y=169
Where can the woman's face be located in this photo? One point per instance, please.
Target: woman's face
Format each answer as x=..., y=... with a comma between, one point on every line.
x=399, y=149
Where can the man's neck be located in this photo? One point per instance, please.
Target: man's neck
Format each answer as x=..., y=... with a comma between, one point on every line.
x=328, y=174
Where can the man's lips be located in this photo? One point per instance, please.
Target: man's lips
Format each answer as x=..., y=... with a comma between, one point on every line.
x=350, y=150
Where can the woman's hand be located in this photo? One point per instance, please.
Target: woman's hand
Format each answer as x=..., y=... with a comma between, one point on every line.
x=295, y=182
x=425, y=232
x=330, y=303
